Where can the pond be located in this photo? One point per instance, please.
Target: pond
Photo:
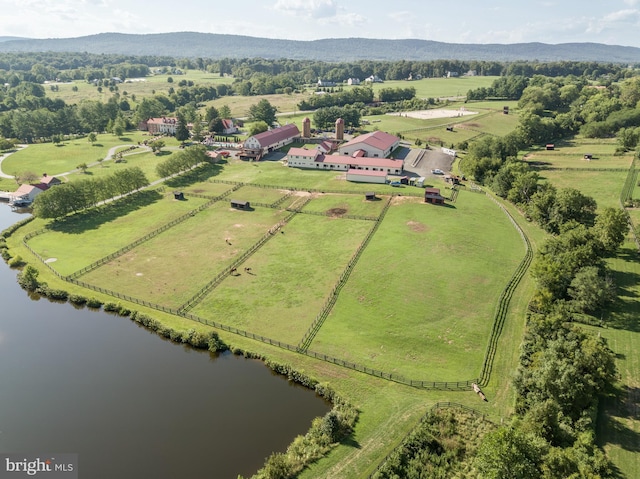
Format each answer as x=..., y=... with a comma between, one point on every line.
x=130, y=403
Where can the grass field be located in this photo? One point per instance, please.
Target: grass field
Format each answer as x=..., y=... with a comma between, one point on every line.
x=80, y=240
x=290, y=278
x=604, y=186
x=421, y=300
x=618, y=428
x=171, y=267
x=55, y=159
x=570, y=154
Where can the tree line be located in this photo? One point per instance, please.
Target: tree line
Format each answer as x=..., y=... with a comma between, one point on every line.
x=75, y=196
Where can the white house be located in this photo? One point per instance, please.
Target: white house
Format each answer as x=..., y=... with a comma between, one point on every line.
x=373, y=79
x=353, y=81
x=255, y=147
x=377, y=144
x=315, y=159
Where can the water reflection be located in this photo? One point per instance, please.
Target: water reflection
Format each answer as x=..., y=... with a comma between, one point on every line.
x=130, y=403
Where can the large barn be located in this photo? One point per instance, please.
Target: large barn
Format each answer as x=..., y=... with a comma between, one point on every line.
x=377, y=144
x=256, y=146
x=315, y=159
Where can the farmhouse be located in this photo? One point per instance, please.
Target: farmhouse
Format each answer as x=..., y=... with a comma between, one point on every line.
x=160, y=126
x=353, y=81
x=49, y=181
x=228, y=128
x=315, y=159
x=255, y=147
x=377, y=144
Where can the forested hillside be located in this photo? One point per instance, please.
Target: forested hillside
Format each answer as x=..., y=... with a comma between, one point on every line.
x=192, y=44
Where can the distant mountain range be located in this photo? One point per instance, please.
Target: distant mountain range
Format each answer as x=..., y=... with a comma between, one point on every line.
x=210, y=45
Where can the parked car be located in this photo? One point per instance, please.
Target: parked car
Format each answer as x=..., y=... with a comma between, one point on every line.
x=437, y=171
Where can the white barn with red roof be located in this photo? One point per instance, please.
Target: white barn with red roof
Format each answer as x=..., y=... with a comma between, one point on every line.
x=315, y=159
x=377, y=144
x=256, y=146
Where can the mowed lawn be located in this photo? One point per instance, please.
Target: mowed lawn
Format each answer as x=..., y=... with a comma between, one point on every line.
x=173, y=266
x=55, y=159
x=80, y=240
x=420, y=302
x=603, y=186
x=290, y=278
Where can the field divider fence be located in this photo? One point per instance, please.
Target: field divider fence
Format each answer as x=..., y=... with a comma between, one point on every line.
x=211, y=285
x=626, y=195
x=317, y=323
x=421, y=384
x=505, y=299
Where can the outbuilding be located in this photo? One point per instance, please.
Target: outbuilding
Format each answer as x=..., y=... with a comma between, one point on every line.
x=240, y=205
x=588, y=156
x=178, y=195
x=370, y=195
x=550, y=146
x=433, y=196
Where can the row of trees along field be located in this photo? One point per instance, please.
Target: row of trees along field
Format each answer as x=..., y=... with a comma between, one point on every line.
x=563, y=371
x=62, y=66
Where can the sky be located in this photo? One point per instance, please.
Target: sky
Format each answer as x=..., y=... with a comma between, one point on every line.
x=613, y=22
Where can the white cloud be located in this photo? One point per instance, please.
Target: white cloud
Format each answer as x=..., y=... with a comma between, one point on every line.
x=629, y=15
x=632, y=3
x=308, y=8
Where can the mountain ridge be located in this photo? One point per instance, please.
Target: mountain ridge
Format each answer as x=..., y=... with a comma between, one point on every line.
x=213, y=45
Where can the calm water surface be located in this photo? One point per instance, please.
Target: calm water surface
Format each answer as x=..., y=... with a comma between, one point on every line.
x=131, y=404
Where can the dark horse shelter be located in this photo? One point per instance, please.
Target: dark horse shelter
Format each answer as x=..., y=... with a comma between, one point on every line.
x=433, y=196
x=240, y=205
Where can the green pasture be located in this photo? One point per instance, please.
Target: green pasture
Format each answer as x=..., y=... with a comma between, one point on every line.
x=258, y=195
x=438, y=87
x=171, y=267
x=337, y=205
x=145, y=160
x=79, y=240
x=619, y=423
x=570, y=154
x=603, y=186
x=207, y=188
x=421, y=300
x=55, y=159
x=290, y=279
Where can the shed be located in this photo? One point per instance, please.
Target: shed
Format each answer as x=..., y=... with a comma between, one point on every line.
x=433, y=196
x=240, y=205
x=178, y=195
x=550, y=146
x=505, y=110
x=370, y=195
x=588, y=156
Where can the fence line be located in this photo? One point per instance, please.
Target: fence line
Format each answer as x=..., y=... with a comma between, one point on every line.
x=505, y=299
x=204, y=291
x=626, y=195
x=317, y=323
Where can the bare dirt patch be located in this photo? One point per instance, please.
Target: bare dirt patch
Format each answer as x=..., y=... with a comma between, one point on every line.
x=469, y=125
x=417, y=226
x=336, y=212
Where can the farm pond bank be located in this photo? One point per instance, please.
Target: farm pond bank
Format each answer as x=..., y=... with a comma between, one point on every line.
x=130, y=403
